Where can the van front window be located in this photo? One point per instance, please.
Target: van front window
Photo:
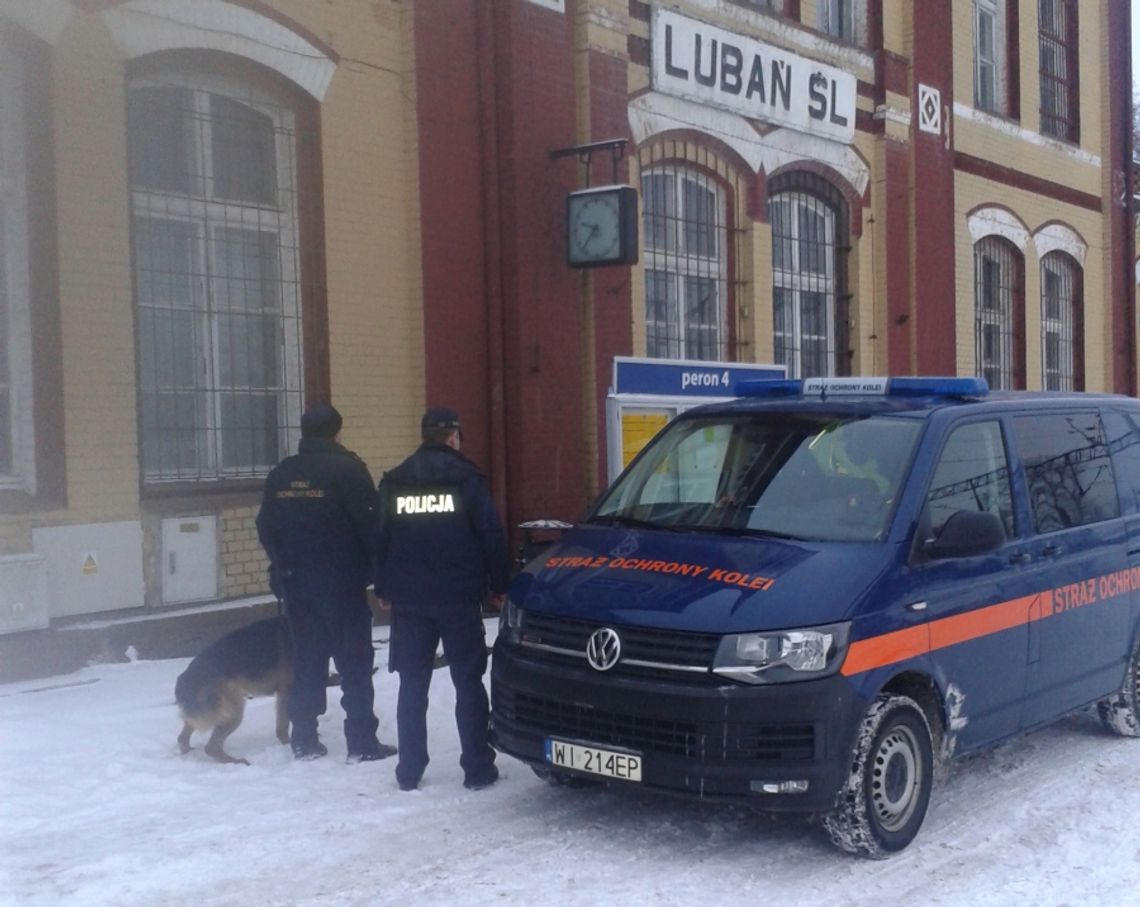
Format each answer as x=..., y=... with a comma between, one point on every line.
x=832, y=478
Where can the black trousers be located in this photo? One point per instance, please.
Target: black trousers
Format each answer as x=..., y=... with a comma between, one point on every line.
x=337, y=627
x=415, y=635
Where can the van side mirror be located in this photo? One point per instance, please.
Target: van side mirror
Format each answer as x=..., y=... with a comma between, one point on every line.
x=967, y=533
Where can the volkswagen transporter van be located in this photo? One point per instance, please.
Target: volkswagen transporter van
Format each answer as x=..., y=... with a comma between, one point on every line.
x=805, y=598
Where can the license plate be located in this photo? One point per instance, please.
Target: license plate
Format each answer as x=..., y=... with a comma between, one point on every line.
x=607, y=763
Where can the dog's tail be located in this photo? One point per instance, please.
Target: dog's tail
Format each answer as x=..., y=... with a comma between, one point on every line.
x=195, y=698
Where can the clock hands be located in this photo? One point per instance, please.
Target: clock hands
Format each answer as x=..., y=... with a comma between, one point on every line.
x=584, y=241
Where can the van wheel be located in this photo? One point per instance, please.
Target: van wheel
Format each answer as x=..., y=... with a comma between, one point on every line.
x=882, y=806
x=1121, y=711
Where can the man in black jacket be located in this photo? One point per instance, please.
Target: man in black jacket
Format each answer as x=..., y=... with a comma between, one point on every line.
x=441, y=552
x=316, y=523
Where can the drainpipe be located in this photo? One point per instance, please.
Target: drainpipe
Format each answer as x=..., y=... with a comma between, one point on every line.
x=488, y=63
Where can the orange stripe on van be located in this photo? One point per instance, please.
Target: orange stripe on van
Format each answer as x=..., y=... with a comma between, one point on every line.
x=899, y=645
x=886, y=649
x=973, y=624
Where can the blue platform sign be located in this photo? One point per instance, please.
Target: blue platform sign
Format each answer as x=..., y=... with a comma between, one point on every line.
x=685, y=378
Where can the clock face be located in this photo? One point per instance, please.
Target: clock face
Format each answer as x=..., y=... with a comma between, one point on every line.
x=595, y=228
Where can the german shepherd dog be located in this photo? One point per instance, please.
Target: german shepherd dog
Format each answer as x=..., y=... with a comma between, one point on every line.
x=255, y=660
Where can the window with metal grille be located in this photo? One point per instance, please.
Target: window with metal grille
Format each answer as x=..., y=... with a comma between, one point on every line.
x=1057, y=45
x=1060, y=323
x=837, y=17
x=989, y=55
x=17, y=449
x=686, y=264
x=217, y=277
x=808, y=284
x=997, y=288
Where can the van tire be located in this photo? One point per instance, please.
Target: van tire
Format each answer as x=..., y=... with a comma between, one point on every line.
x=882, y=805
x=1121, y=711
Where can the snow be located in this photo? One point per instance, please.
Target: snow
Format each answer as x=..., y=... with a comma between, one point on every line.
x=97, y=807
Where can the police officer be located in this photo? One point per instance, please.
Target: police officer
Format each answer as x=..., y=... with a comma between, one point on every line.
x=316, y=523
x=441, y=552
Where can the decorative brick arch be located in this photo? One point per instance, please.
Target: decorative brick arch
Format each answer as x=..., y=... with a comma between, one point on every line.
x=855, y=200
x=722, y=150
x=997, y=220
x=1057, y=236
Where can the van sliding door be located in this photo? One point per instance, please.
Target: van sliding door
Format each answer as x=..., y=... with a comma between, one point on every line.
x=1078, y=558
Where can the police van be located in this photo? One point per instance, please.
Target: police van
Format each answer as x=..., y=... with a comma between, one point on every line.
x=807, y=598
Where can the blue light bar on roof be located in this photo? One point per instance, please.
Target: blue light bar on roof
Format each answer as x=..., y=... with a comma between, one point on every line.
x=864, y=387
x=769, y=387
x=938, y=387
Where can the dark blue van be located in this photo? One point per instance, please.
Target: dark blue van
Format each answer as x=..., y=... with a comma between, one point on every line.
x=805, y=598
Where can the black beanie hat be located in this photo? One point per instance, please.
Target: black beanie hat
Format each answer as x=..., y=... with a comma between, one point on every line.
x=321, y=421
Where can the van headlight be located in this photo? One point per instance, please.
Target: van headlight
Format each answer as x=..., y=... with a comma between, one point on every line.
x=779, y=656
x=510, y=622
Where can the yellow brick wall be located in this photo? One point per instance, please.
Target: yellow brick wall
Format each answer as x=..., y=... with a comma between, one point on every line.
x=1004, y=142
x=1019, y=144
x=243, y=562
x=95, y=301
x=1034, y=211
x=374, y=284
x=372, y=238
x=1091, y=32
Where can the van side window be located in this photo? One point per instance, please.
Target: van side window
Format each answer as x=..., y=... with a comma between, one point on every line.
x=1067, y=469
x=972, y=474
x=1124, y=445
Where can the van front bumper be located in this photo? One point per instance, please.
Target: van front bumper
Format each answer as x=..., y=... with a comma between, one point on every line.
x=700, y=737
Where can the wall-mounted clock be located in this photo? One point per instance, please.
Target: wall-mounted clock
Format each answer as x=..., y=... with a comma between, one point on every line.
x=601, y=226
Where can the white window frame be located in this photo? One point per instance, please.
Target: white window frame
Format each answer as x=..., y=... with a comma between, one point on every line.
x=998, y=318
x=794, y=280
x=678, y=267
x=207, y=215
x=843, y=19
x=994, y=57
x=1059, y=267
x=16, y=384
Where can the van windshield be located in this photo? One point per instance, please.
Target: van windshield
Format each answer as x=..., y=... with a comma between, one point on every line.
x=817, y=478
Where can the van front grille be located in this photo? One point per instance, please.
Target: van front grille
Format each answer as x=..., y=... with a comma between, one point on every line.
x=655, y=648
x=742, y=742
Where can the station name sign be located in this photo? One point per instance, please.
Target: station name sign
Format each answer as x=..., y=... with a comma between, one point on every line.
x=703, y=63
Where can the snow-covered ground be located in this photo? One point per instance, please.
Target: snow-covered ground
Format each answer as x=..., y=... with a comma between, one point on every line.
x=97, y=807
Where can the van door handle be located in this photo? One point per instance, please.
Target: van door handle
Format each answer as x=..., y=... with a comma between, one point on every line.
x=1020, y=557
x=1052, y=549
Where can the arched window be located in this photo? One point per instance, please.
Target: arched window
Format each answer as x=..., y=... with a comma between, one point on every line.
x=1062, y=328
x=686, y=263
x=215, y=236
x=808, y=216
x=998, y=312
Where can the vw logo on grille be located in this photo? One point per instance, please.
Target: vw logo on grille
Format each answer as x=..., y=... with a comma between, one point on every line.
x=603, y=649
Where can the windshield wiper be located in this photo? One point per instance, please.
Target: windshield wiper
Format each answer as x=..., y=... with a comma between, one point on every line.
x=773, y=534
x=739, y=530
x=630, y=522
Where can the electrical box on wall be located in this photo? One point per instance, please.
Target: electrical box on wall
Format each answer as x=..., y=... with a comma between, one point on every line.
x=92, y=567
x=189, y=559
x=23, y=593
